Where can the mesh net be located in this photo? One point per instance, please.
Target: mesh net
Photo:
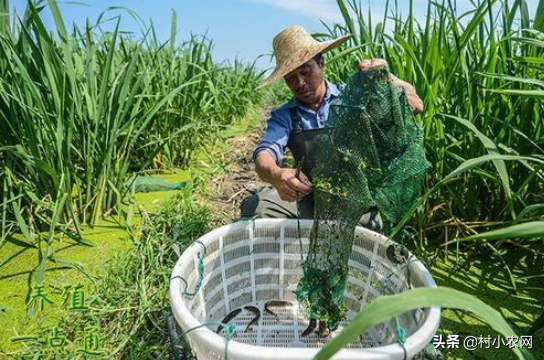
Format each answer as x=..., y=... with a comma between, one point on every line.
x=373, y=156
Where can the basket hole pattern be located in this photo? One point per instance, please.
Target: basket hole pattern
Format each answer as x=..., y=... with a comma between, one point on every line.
x=252, y=266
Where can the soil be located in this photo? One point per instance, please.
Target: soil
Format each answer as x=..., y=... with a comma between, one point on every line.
x=239, y=180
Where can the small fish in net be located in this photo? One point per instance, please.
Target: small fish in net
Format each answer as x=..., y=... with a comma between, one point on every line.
x=373, y=156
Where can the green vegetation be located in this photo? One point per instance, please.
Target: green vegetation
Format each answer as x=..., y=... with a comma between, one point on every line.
x=84, y=111
x=81, y=112
x=384, y=307
x=127, y=296
x=479, y=74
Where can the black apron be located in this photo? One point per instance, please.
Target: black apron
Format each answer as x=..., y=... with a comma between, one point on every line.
x=303, y=144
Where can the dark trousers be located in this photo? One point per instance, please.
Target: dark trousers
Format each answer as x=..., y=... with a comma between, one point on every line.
x=267, y=204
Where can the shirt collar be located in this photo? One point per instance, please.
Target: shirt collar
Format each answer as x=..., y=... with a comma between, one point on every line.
x=332, y=91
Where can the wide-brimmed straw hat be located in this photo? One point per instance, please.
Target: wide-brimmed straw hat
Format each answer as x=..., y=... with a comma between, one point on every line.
x=293, y=47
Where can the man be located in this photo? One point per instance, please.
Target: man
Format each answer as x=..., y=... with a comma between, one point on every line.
x=298, y=124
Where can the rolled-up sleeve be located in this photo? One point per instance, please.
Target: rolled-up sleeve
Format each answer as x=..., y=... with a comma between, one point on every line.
x=278, y=127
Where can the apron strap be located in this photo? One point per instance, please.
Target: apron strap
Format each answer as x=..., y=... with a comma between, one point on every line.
x=295, y=118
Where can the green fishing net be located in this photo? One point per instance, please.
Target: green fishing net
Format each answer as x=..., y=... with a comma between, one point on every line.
x=373, y=156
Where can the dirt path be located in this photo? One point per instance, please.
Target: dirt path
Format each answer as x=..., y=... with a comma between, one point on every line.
x=225, y=193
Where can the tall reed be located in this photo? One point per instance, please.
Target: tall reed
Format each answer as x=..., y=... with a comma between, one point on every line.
x=480, y=75
x=81, y=111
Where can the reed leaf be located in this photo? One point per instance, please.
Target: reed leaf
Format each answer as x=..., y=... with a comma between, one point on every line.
x=534, y=229
x=386, y=307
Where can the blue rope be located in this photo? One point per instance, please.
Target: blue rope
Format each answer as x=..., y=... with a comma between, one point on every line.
x=400, y=330
x=229, y=330
x=200, y=268
x=401, y=336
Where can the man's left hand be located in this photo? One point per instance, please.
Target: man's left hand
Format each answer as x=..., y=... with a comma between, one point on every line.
x=415, y=101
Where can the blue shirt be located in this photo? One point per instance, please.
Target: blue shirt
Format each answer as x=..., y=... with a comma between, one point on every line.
x=280, y=124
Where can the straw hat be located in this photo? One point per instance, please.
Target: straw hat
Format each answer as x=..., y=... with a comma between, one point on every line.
x=295, y=46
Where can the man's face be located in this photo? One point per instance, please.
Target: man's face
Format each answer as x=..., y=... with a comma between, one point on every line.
x=306, y=82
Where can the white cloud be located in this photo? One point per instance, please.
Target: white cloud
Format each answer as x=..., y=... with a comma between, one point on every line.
x=326, y=10
x=468, y=4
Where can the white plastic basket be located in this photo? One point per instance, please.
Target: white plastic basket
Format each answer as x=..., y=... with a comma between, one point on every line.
x=251, y=262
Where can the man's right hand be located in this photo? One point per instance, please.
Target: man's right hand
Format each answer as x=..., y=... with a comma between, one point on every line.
x=285, y=181
x=287, y=184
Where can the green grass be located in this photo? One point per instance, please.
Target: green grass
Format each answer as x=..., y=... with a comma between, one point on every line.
x=128, y=292
x=115, y=106
x=481, y=83
x=95, y=107
x=18, y=266
x=109, y=263
x=477, y=273
x=92, y=109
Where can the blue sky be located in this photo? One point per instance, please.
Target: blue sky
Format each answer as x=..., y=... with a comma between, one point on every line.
x=242, y=28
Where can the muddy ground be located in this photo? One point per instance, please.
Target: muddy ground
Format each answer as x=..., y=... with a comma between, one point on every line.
x=226, y=191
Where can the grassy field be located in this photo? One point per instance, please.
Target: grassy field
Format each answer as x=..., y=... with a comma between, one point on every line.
x=123, y=273
x=126, y=294
x=96, y=108
x=480, y=75
x=104, y=107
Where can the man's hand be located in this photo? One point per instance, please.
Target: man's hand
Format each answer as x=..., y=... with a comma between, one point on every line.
x=286, y=181
x=288, y=184
x=415, y=101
